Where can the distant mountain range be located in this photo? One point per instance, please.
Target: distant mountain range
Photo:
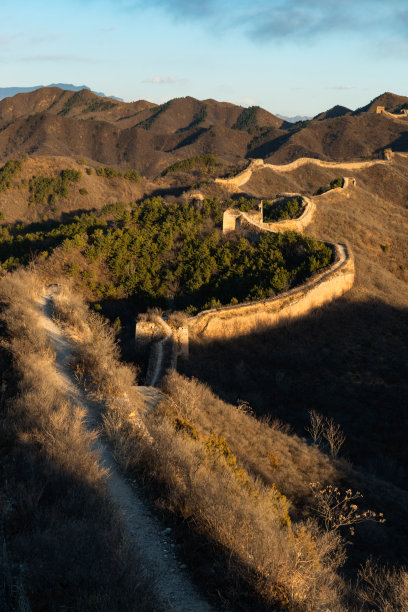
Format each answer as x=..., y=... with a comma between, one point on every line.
x=294, y=119
x=8, y=92
x=80, y=124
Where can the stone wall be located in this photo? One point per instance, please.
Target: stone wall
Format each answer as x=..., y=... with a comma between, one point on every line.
x=402, y=115
x=145, y=333
x=258, y=164
x=296, y=225
x=231, y=321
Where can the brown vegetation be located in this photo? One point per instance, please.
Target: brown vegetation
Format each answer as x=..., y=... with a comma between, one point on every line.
x=200, y=451
x=50, y=121
x=60, y=529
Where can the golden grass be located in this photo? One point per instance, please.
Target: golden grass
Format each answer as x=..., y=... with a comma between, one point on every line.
x=59, y=523
x=199, y=449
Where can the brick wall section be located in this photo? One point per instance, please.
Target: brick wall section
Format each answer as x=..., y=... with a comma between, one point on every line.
x=258, y=164
x=243, y=318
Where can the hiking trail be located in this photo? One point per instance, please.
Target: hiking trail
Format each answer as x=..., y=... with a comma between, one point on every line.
x=151, y=542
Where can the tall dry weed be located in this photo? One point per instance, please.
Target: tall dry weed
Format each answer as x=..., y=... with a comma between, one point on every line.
x=59, y=523
x=207, y=479
x=241, y=482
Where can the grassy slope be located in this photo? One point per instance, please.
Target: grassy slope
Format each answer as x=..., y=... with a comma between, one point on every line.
x=63, y=538
x=349, y=360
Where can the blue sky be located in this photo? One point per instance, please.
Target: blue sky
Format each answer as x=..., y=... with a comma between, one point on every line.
x=289, y=56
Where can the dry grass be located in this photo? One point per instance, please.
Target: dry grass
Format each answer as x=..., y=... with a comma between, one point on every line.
x=210, y=478
x=383, y=589
x=60, y=526
x=243, y=483
x=15, y=202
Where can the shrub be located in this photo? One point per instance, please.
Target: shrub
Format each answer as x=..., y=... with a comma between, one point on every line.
x=61, y=529
x=83, y=191
x=247, y=120
x=147, y=123
x=335, y=184
x=203, y=481
x=98, y=106
x=157, y=252
x=287, y=208
x=198, y=117
x=205, y=163
x=43, y=189
x=108, y=172
x=7, y=172
x=132, y=175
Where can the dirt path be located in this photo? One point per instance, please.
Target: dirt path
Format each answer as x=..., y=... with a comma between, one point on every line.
x=160, y=352
x=151, y=542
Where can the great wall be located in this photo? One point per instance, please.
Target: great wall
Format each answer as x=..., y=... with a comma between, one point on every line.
x=403, y=114
x=227, y=321
x=245, y=317
x=258, y=164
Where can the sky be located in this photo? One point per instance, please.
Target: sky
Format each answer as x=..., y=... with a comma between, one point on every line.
x=288, y=56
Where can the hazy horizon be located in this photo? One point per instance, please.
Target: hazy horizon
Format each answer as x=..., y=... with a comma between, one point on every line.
x=290, y=56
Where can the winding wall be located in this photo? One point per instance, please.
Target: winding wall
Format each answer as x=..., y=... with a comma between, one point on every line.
x=232, y=217
x=258, y=164
x=402, y=115
x=229, y=321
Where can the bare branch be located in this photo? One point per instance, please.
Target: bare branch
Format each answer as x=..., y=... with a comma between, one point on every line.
x=316, y=426
x=337, y=509
x=334, y=436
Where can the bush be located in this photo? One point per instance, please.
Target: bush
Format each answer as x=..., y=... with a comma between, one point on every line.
x=156, y=252
x=43, y=189
x=203, y=481
x=287, y=208
x=147, y=123
x=60, y=526
x=247, y=120
x=7, y=172
x=132, y=175
x=110, y=173
x=335, y=184
x=205, y=163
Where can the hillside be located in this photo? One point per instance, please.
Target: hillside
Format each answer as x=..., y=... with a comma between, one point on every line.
x=390, y=101
x=142, y=135
x=9, y=92
x=177, y=322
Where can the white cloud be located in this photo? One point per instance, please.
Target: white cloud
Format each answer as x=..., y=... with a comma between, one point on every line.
x=165, y=80
x=340, y=87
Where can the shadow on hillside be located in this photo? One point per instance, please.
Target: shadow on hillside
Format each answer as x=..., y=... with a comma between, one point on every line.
x=166, y=191
x=59, y=527
x=348, y=361
x=270, y=146
x=401, y=143
x=46, y=226
x=189, y=139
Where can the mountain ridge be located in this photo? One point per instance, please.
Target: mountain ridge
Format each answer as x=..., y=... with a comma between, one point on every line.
x=151, y=137
x=7, y=92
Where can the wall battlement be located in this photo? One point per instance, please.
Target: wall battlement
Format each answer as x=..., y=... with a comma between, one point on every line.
x=403, y=114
